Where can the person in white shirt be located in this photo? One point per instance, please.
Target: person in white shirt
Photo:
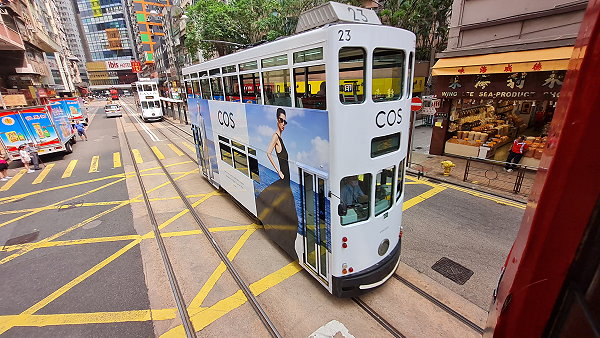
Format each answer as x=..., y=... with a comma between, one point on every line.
x=25, y=158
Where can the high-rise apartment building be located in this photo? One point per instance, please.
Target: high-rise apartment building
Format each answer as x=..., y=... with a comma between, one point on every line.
x=69, y=18
x=110, y=48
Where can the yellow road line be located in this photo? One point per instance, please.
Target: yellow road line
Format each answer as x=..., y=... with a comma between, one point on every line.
x=476, y=193
x=189, y=146
x=13, y=180
x=158, y=153
x=422, y=197
x=218, y=272
x=96, y=317
x=205, y=317
x=117, y=160
x=94, y=164
x=125, y=175
x=137, y=156
x=43, y=174
x=69, y=171
x=24, y=316
x=175, y=149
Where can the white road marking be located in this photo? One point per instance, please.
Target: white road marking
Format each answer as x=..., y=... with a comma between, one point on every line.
x=150, y=133
x=331, y=329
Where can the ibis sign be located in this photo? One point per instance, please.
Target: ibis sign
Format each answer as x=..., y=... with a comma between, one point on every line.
x=118, y=64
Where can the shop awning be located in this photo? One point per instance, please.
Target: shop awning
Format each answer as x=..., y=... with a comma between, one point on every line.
x=512, y=62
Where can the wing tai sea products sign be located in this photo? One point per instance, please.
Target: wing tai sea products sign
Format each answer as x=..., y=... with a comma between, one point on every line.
x=118, y=65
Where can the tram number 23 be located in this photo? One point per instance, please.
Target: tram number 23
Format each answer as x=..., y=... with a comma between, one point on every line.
x=388, y=117
x=344, y=35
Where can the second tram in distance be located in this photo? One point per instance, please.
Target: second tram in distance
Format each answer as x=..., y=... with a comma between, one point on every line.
x=147, y=99
x=310, y=134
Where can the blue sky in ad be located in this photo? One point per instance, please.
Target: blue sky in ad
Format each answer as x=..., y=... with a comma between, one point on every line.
x=306, y=136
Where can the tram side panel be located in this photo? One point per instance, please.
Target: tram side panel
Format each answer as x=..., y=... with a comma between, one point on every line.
x=237, y=138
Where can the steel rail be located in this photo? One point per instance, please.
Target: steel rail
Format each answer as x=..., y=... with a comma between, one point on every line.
x=439, y=304
x=386, y=325
x=181, y=308
x=232, y=270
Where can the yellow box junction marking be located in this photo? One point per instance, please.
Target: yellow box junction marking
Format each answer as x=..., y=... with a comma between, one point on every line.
x=422, y=197
x=94, y=164
x=189, y=146
x=43, y=174
x=117, y=160
x=69, y=171
x=137, y=156
x=175, y=149
x=13, y=180
x=158, y=153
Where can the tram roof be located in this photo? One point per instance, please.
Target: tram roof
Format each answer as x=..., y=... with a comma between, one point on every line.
x=304, y=40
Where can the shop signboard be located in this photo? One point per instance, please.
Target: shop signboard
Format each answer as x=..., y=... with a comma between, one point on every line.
x=118, y=65
x=514, y=86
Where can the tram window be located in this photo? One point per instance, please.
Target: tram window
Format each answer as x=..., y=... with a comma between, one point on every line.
x=355, y=195
x=216, y=71
x=280, y=60
x=399, y=185
x=384, y=185
x=221, y=138
x=147, y=88
x=310, y=87
x=226, y=153
x=352, y=75
x=388, y=74
x=196, y=86
x=217, y=89
x=144, y=105
x=251, y=88
x=409, y=82
x=241, y=162
x=248, y=66
x=238, y=145
x=154, y=88
x=277, y=88
x=251, y=151
x=232, y=88
x=229, y=69
x=253, y=164
x=205, y=88
x=313, y=54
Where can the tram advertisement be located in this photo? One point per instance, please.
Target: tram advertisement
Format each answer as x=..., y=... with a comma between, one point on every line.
x=268, y=182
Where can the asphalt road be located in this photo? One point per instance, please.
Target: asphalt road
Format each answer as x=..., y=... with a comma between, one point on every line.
x=92, y=263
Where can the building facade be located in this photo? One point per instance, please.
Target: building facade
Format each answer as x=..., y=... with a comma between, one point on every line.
x=501, y=74
x=108, y=40
x=74, y=39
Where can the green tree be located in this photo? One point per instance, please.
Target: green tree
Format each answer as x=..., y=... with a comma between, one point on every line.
x=428, y=19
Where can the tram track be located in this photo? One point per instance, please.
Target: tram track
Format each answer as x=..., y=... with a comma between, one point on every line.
x=382, y=321
x=202, y=226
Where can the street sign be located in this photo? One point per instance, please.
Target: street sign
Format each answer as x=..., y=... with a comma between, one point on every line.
x=436, y=103
x=416, y=104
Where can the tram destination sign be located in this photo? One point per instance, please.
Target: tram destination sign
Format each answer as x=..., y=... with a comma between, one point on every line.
x=512, y=86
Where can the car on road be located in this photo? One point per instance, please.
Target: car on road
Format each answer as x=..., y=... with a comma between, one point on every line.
x=112, y=110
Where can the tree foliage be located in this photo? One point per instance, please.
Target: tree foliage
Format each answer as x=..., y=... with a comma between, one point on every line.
x=428, y=19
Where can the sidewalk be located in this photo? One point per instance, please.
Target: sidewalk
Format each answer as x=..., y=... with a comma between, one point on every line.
x=490, y=178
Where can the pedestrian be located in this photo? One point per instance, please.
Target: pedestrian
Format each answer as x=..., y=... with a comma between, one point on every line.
x=31, y=148
x=515, y=154
x=25, y=158
x=81, y=130
x=4, y=168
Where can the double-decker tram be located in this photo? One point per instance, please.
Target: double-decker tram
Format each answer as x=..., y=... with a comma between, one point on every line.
x=147, y=97
x=310, y=134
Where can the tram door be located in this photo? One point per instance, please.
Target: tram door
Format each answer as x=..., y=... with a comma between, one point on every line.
x=203, y=154
x=313, y=189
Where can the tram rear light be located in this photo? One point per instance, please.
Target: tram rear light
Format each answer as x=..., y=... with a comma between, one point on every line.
x=344, y=239
x=350, y=270
x=344, y=245
x=344, y=271
x=400, y=235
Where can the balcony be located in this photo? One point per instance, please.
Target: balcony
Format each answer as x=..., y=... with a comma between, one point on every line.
x=33, y=67
x=10, y=39
x=44, y=42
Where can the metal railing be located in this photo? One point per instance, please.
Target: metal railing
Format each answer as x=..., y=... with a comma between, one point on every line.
x=494, y=175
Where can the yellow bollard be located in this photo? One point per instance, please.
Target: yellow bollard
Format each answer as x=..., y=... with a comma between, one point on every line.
x=447, y=166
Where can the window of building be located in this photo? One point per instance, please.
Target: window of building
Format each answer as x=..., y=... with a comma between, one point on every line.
x=277, y=88
x=352, y=75
x=355, y=196
x=388, y=74
x=310, y=87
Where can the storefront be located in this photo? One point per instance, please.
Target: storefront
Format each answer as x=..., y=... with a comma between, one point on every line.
x=487, y=104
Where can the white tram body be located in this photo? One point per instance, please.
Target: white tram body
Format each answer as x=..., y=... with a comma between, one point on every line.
x=349, y=240
x=147, y=97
